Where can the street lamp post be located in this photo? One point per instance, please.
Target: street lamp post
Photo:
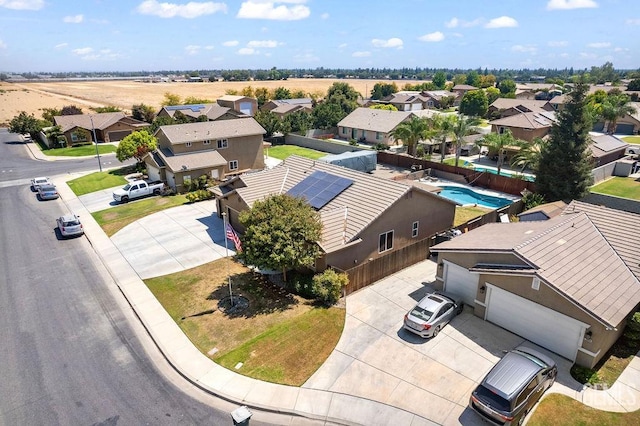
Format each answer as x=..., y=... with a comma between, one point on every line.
x=95, y=141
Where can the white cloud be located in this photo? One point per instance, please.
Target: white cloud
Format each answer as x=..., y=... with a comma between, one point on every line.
x=392, y=42
x=83, y=51
x=247, y=51
x=263, y=43
x=455, y=23
x=324, y=16
x=599, y=45
x=502, y=22
x=570, y=4
x=559, y=43
x=435, y=36
x=61, y=45
x=633, y=21
x=342, y=46
x=361, y=54
x=524, y=49
x=209, y=47
x=171, y=10
x=588, y=55
x=256, y=9
x=231, y=43
x=73, y=19
x=306, y=57
x=452, y=23
x=621, y=49
x=192, y=49
x=22, y=4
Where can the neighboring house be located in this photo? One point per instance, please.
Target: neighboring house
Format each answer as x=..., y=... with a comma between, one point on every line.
x=305, y=103
x=195, y=111
x=434, y=98
x=243, y=104
x=213, y=148
x=542, y=91
x=567, y=284
x=543, y=211
x=557, y=102
x=627, y=125
x=405, y=101
x=607, y=148
x=108, y=126
x=526, y=126
x=364, y=219
x=461, y=89
x=505, y=107
x=371, y=125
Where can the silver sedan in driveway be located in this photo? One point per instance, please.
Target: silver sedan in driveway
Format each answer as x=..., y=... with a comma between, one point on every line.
x=433, y=312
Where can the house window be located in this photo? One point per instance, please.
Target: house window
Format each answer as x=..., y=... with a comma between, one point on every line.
x=536, y=284
x=501, y=130
x=188, y=144
x=414, y=229
x=378, y=136
x=386, y=241
x=343, y=130
x=233, y=165
x=223, y=143
x=207, y=142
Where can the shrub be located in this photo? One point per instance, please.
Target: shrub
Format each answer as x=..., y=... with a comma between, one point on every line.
x=381, y=147
x=584, y=374
x=353, y=142
x=327, y=286
x=198, y=195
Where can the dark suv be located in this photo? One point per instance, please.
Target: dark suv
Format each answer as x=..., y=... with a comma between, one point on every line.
x=513, y=386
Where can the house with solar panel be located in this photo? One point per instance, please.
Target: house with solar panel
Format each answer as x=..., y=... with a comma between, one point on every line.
x=214, y=148
x=194, y=112
x=364, y=217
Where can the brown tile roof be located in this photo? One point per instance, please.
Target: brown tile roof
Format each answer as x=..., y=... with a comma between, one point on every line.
x=464, y=87
x=571, y=254
x=207, y=130
x=527, y=120
x=212, y=111
x=375, y=120
x=604, y=144
x=100, y=121
x=346, y=215
x=548, y=209
x=194, y=161
x=530, y=104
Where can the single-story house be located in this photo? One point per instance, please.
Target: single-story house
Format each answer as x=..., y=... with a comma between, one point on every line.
x=371, y=125
x=284, y=107
x=244, y=104
x=568, y=283
x=543, y=211
x=627, y=125
x=195, y=111
x=405, y=101
x=606, y=148
x=543, y=91
x=108, y=127
x=526, y=126
x=434, y=98
x=364, y=217
x=461, y=89
x=505, y=107
x=213, y=148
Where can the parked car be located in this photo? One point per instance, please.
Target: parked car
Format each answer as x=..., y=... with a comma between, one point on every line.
x=513, y=386
x=36, y=182
x=70, y=226
x=47, y=192
x=433, y=312
x=137, y=189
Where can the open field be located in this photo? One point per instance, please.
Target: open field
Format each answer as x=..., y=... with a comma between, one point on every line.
x=33, y=97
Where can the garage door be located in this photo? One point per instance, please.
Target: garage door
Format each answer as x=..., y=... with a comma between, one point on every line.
x=117, y=136
x=624, y=129
x=543, y=326
x=598, y=127
x=459, y=281
x=153, y=173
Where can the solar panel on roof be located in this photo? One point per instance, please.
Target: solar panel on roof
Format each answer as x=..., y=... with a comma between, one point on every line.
x=319, y=188
x=194, y=108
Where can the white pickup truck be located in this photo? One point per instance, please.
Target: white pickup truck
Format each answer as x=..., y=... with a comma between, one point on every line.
x=137, y=189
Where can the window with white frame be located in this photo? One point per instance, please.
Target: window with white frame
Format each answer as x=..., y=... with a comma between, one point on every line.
x=386, y=241
x=223, y=143
x=414, y=229
x=233, y=165
x=188, y=144
x=207, y=142
x=378, y=136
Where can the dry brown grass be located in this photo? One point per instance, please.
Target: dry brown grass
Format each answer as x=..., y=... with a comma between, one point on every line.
x=34, y=97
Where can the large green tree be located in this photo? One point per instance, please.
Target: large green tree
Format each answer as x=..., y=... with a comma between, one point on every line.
x=281, y=232
x=564, y=171
x=615, y=107
x=439, y=79
x=441, y=130
x=24, y=123
x=380, y=90
x=269, y=121
x=136, y=145
x=474, y=103
x=462, y=127
x=528, y=155
x=411, y=132
x=498, y=144
x=341, y=99
x=143, y=112
x=297, y=122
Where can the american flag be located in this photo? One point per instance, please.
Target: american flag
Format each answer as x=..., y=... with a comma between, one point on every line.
x=231, y=234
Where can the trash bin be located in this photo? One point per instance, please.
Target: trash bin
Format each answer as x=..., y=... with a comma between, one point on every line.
x=241, y=416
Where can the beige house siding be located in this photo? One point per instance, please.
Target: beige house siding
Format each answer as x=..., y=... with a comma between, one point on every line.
x=524, y=134
x=369, y=136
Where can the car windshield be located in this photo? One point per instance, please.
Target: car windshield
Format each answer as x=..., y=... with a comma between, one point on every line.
x=421, y=313
x=73, y=222
x=491, y=399
x=127, y=187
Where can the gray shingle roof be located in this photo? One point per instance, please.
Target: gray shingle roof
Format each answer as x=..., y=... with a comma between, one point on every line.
x=207, y=130
x=376, y=120
x=570, y=254
x=530, y=104
x=527, y=120
x=604, y=144
x=193, y=161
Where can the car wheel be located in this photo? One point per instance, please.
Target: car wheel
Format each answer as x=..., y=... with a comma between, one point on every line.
x=460, y=308
x=435, y=331
x=524, y=416
x=125, y=199
x=156, y=192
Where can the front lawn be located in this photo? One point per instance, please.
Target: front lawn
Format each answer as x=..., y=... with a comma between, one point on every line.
x=114, y=219
x=561, y=410
x=280, y=337
x=97, y=181
x=620, y=187
x=79, y=151
x=281, y=152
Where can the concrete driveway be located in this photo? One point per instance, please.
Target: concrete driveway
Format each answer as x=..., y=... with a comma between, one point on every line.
x=376, y=359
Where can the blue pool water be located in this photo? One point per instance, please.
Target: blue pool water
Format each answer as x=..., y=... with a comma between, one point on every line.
x=466, y=196
x=503, y=173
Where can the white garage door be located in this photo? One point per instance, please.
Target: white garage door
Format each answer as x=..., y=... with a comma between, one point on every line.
x=153, y=173
x=459, y=281
x=543, y=326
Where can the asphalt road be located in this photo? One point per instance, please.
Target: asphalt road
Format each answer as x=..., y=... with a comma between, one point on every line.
x=72, y=351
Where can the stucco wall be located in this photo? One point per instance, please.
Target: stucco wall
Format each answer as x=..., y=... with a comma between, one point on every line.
x=321, y=145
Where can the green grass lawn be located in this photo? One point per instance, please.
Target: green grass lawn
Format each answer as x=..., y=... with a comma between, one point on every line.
x=114, y=219
x=281, y=152
x=561, y=410
x=465, y=214
x=632, y=139
x=96, y=182
x=79, y=151
x=452, y=162
x=619, y=187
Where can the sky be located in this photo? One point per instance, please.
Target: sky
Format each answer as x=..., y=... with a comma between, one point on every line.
x=155, y=35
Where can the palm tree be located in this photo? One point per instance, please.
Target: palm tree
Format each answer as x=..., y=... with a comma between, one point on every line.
x=463, y=126
x=443, y=126
x=498, y=142
x=614, y=108
x=529, y=154
x=410, y=132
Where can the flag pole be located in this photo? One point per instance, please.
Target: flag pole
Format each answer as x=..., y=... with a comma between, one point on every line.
x=226, y=248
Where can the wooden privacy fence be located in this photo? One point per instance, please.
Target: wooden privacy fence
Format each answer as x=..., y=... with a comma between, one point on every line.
x=367, y=273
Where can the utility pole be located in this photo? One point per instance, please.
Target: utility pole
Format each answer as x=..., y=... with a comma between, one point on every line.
x=95, y=141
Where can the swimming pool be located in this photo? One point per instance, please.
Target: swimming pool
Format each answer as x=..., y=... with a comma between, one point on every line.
x=504, y=173
x=465, y=196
